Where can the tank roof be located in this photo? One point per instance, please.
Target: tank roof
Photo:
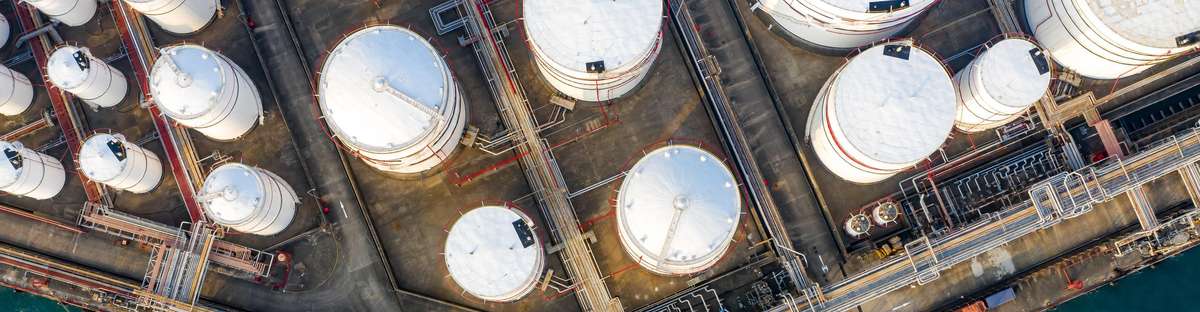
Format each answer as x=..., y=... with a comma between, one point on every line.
x=574, y=33
x=678, y=206
x=63, y=70
x=100, y=161
x=487, y=256
x=893, y=109
x=232, y=192
x=1009, y=74
x=381, y=87
x=187, y=80
x=11, y=169
x=1154, y=23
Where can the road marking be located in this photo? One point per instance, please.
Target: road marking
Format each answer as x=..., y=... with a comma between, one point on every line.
x=340, y=204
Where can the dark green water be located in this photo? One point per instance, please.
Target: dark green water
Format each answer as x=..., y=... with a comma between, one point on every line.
x=23, y=302
x=1169, y=286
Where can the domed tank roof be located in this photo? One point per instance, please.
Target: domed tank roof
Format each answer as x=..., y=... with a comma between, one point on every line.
x=1010, y=75
x=13, y=162
x=381, y=88
x=894, y=103
x=574, y=33
x=1152, y=23
x=492, y=253
x=232, y=193
x=187, y=80
x=102, y=156
x=678, y=209
x=65, y=70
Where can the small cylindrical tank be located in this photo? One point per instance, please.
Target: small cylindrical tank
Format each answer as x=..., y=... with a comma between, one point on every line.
x=844, y=24
x=248, y=199
x=493, y=253
x=398, y=112
x=883, y=112
x=677, y=210
x=885, y=213
x=76, y=71
x=112, y=160
x=177, y=16
x=5, y=31
x=69, y=12
x=16, y=92
x=858, y=225
x=1114, y=39
x=593, y=50
x=29, y=173
x=1001, y=84
x=204, y=90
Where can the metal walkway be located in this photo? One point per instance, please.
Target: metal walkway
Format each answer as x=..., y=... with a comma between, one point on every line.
x=540, y=168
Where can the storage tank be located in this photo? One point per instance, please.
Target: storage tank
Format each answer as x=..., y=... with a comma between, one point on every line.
x=5, y=31
x=16, y=92
x=177, y=16
x=248, y=199
x=493, y=253
x=593, y=50
x=1001, y=84
x=204, y=90
x=112, y=160
x=858, y=225
x=30, y=173
x=90, y=79
x=882, y=112
x=390, y=99
x=1108, y=39
x=69, y=12
x=844, y=24
x=885, y=213
x=677, y=210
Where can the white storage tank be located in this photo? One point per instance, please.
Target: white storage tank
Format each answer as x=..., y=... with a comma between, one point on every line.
x=29, y=173
x=204, y=90
x=493, y=253
x=677, y=210
x=69, y=12
x=885, y=111
x=112, y=160
x=248, y=199
x=845, y=24
x=593, y=50
x=76, y=71
x=1001, y=84
x=390, y=99
x=1108, y=39
x=177, y=16
x=16, y=92
x=5, y=31
x=858, y=225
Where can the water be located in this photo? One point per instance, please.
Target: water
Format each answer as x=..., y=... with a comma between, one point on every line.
x=1171, y=285
x=23, y=302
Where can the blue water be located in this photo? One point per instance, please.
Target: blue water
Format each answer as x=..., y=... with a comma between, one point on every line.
x=1171, y=285
x=22, y=302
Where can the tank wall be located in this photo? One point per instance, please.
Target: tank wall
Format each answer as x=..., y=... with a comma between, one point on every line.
x=596, y=87
x=977, y=110
x=41, y=177
x=839, y=32
x=69, y=12
x=5, y=31
x=275, y=210
x=142, y=171
x=178, y=16
x=16, y=92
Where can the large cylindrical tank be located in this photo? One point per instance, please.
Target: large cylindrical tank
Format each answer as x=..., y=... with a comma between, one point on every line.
x=883, y=112
x=248, y=199
x=29, y=173
x=1113, y=39
x=493, y=253
x=1001, y=84
x=76, y=71
x=5, y=31
x=177, y=16
x=69, y=12
x=844, y=24
x=593, y=50
x=112, y=160
x=389, y=98
x=16, y=92
x=206, y=91
x=677, y=210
